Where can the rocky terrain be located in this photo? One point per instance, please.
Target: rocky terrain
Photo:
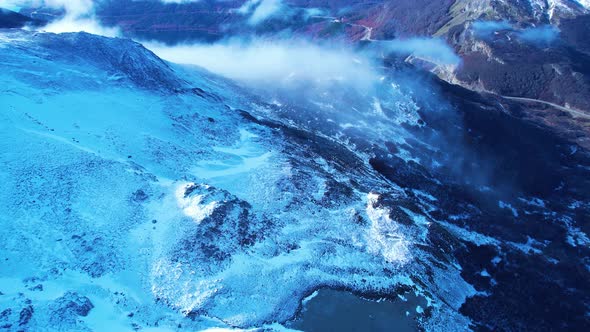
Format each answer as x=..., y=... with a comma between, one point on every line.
x=140, y=194
x=529, y=49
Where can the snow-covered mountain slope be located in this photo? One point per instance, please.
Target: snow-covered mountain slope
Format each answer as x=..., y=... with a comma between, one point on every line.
x=146, y=199
x=138, y=194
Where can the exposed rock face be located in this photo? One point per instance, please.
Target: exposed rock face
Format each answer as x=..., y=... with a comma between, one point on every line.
x=553, y=75
x=66, y=310
x=501, y=62
x=222, y=225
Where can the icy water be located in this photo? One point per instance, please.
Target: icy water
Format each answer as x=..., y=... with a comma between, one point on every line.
x=332, y=310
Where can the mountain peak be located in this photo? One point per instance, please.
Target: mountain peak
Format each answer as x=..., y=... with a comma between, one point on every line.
x=120, y=57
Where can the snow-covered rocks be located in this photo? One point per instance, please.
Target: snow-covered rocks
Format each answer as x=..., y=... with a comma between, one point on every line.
x=130, y=203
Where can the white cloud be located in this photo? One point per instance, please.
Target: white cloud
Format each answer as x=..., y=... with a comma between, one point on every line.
x=260, y=10
x=288, y=63
x=79, y=24
x=247, y=6
x=74, y=7
x=265, y=10
x=542, y=35
x=275, y=62
x=79, y=16
x=431, y=49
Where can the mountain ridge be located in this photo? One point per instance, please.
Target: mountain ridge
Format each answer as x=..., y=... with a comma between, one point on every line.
x=139, y=193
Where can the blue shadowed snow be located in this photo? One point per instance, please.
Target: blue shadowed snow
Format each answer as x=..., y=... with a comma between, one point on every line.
x=151, y=197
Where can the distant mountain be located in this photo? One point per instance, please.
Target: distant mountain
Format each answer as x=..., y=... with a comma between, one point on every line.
x=10, y=19
x=497, y=60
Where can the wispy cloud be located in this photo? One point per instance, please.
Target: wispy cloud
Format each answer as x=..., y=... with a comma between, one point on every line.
x=275, y=62
x=79, y=16
x=261, y=10
x=79, y=24
x=434, y=50
x=486, y=28
x=73, y=7
x=542, y=35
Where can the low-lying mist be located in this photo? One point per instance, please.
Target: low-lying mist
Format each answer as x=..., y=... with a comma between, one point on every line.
x=542, y=35
x=276, y=62
x=284, y=61
x=78, y=16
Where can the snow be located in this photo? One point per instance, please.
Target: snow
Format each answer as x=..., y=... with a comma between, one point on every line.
x=99, y=188
x=575, y=236
x=504, y=205
x=192, y=206
x=309, y=298
x=537, y=202
x=425, y=195
x=153, y=200
x=529, y=247
x=471, y=236
x=385, y=235
x=496, y=260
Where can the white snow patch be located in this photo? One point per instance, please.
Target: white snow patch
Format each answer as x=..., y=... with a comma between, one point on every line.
x=575, y=236
x=424, y=195
x=533, y=202
x=385, y=235
x=496, y=260
x=504, y=205
x=309, y=298
x=191, y=206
